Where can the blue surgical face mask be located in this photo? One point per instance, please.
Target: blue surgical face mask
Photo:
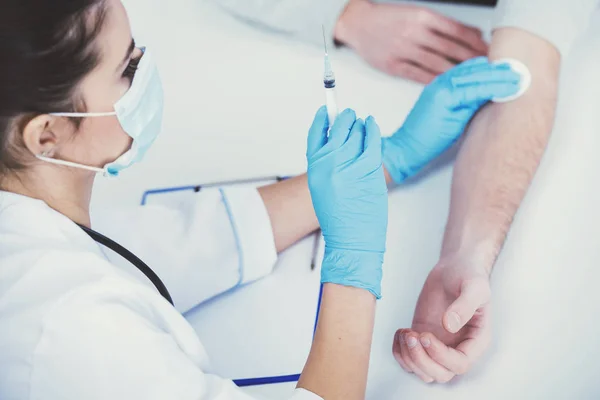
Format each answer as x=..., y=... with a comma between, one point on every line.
x=139, y=112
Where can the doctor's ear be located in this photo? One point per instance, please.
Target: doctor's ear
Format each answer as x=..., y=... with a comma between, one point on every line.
x=42, y=134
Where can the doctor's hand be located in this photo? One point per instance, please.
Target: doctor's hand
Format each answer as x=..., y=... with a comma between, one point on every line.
x=442, y=113
x=349, y=195
x=406, y=40
x=451, y=327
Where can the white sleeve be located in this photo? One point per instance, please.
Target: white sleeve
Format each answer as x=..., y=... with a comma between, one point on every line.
x=300, y=18
x=558, y=21
x=303, y=394
x=207, y=244
x=98, y=346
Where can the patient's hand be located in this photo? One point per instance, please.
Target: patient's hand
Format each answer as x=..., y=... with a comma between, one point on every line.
x=406, y=40
x=451, y=326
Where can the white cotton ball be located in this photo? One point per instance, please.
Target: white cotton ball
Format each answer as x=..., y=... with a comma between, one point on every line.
x=521, y=69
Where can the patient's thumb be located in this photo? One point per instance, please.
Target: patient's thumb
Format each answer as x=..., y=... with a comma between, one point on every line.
x=473, y=295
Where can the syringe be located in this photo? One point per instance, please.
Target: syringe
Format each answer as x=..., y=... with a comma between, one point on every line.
x=329, y=82
x=332, y=113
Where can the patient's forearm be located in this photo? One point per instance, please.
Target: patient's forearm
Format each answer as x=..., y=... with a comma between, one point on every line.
x=502, y=150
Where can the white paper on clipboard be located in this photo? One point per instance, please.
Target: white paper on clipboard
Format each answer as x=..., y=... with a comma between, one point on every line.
x=263, y=329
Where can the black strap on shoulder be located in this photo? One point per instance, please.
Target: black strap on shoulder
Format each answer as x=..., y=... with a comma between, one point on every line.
x=132, y=258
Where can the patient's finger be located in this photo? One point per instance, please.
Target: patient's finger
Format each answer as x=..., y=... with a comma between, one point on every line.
x=396, y=351
x=403, y=351
x=424, y=362
x=452, y=359
x=411, y=338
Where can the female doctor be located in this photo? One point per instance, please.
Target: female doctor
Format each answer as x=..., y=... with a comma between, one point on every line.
x=77, y=97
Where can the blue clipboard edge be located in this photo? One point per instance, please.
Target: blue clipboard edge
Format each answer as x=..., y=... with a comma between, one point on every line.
x=267, y=380
x=197, y=188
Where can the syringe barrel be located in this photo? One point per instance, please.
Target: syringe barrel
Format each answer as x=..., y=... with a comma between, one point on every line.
x=331, y=103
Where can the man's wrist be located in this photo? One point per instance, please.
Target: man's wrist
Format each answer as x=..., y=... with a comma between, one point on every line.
x=482, y=258
x=349, y=20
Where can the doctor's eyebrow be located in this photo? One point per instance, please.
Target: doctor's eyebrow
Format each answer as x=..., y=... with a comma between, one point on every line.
x=128, y=54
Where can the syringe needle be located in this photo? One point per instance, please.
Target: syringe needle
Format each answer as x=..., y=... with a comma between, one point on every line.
x=324, y=39
x=328, y=76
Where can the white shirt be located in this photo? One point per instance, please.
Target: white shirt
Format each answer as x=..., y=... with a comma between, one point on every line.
x=558, y=21
x=75, y=325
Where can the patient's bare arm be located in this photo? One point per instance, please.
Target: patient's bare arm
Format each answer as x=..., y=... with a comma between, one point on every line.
x=504, y=144
x=503, y=148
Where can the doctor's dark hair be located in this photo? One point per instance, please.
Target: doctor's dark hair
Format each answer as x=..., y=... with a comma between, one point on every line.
x=46, y=49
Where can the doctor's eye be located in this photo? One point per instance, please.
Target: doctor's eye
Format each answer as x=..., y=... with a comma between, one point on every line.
x=131, y=68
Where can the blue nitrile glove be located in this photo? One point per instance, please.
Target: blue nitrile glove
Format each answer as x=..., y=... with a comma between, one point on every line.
x=349, y=194
x=442, y=113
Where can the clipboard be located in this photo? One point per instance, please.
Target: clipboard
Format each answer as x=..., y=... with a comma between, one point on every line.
x=259, y=333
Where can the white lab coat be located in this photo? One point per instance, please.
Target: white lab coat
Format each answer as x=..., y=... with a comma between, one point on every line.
x=75, y=324
x=558, y=21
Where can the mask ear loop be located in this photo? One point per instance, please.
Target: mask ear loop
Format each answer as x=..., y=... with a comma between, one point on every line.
x=44, y=155
x=84, y=115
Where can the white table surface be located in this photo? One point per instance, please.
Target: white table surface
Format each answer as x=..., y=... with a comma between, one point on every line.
x=239, y=102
